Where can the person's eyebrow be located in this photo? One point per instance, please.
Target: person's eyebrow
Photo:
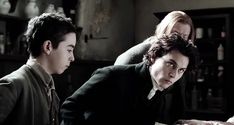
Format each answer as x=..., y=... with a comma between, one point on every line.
x=172, y=60
x=71, y=46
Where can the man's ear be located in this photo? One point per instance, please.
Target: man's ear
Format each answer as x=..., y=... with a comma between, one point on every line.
x=47, y=47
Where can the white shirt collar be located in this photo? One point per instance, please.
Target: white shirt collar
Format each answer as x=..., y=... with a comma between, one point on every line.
x=155, y=88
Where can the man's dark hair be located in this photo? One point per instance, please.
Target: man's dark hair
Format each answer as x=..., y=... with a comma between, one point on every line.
x=47, y=26
x=167, y=43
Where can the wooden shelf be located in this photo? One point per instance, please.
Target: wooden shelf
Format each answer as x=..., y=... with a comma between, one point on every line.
x=12, y=17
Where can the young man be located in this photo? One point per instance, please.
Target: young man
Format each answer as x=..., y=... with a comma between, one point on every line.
x=175, y=21
x=131, y=94
x=27, y=95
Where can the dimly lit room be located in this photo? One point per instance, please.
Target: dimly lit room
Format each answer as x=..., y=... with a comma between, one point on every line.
x=105, y=29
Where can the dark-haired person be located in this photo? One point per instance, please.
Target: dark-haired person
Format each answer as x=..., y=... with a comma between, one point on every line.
x=131, y=94
x=174, y=21
x=27, y=95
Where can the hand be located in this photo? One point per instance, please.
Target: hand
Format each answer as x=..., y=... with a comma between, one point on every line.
x=157, y=123
x=201, y=122
x=231, y=120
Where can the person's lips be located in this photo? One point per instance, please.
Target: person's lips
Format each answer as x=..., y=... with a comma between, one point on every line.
x=168, y=82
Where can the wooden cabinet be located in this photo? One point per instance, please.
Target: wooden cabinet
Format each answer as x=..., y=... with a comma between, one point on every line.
x=209, y=90
x=12, y=29
x=12, y=49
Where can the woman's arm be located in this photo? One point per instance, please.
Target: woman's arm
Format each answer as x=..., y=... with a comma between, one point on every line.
x=134, y=54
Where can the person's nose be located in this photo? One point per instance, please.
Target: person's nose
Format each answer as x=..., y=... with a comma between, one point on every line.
x=172, y=73
x=72, y=58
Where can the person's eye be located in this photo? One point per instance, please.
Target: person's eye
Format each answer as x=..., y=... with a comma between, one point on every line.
x=170, y=64
x=70, y=50
x=181, y=70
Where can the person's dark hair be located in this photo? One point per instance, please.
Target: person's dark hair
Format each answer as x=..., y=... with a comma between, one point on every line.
x=47, y=26
x=167, y=43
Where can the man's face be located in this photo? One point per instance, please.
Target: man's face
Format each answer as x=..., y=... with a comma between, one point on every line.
x=61, y=57
x=169, y=68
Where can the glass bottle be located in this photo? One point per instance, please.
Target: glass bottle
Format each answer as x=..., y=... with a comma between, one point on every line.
x=220, y=52
x=220, y=74
x=223, y=32
x=2, y=43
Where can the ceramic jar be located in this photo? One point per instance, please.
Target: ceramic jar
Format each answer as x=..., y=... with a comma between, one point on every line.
x=31, y=9
x=5, y=6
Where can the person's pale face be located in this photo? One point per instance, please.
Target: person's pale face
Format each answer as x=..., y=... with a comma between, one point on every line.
x=169, y=68
x=62, y=56
x=182, y=29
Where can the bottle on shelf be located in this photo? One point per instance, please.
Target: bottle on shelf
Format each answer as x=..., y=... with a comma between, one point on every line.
x=209, y=98
x=223, y=32
x=2, y=43
x=220, y=74
x=199, y=32
x=73, y=15
x=200, y=76
x=220, y=52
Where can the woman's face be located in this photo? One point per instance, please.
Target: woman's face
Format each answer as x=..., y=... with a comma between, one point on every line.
x=182, y=29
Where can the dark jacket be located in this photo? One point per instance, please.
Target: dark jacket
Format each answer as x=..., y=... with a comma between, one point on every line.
x=117, y=95
x=23, y=101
